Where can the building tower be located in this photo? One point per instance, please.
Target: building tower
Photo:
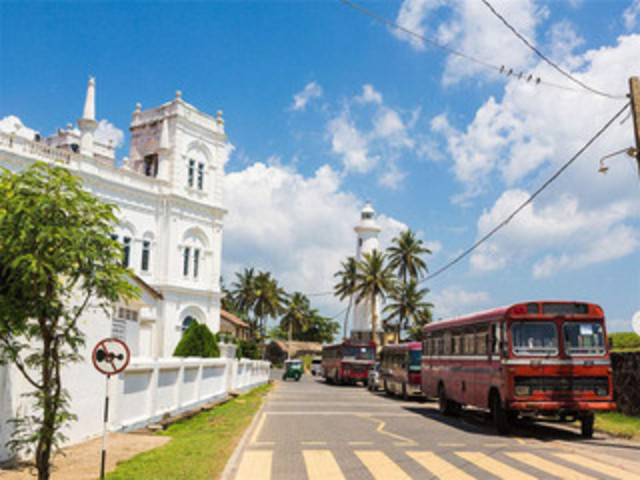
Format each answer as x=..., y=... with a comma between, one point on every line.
x=367, y=231
x=88, y=122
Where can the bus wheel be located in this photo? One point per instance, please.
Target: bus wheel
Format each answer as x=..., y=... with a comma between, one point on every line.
x=405, y=395
x=499, y=415
x=586, y=425
x=386, y=388
x=444, y=404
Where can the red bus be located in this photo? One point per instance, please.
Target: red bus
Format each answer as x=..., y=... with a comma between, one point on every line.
x=400, y=369
x=347, y=362
x=547, y=358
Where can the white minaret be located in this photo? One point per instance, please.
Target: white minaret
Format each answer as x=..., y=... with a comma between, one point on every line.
x=367, y=231
x=88, y=122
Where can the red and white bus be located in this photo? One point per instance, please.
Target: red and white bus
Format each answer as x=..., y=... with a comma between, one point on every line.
x=400, y=369
x=547, y=358
x=347, y=362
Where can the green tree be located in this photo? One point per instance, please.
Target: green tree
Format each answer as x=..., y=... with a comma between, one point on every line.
x=319, y=329
x=407, y=304
x=269, y=299
x=56, y=255
x=197, y=341
x=424, y=316
x=374, y=279
x=345, y=287
x=405, y=258
x=243, y=294
x=296, y=314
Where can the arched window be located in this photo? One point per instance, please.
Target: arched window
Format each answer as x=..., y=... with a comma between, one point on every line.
x=197, y=161
x=188, y=320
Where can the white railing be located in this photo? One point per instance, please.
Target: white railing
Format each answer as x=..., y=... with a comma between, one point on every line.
x=147, y=391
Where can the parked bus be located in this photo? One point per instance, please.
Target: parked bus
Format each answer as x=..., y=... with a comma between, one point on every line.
x=538, y=358
x=347, y=362
x=400, y=369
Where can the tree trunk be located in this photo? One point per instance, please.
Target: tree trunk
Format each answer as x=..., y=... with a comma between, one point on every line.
x=290, y=335
x=49, y=410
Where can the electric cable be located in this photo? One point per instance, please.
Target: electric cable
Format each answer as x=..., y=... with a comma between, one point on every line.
x=544, y=57
x=498, y=227
x=501, y=69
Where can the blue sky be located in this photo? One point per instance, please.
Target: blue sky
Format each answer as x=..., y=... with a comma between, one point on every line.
x=326, y=107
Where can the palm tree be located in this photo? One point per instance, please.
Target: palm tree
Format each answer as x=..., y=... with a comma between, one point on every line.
x=269, y=298
x=244, y=296
x=296, y=315
x=408, y=305
x=405, y=258
x=374, y=279
x=346, y=286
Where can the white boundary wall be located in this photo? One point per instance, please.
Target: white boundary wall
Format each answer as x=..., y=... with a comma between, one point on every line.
x=144, y=393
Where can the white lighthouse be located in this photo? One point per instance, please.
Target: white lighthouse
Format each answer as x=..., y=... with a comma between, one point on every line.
x=367, y=231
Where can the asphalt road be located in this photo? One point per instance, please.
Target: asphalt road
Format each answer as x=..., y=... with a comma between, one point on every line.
x=309, y=429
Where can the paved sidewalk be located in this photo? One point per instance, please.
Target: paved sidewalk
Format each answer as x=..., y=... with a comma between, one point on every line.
x=82, y=461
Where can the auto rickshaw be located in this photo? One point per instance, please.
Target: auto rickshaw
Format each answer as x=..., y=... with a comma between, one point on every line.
x=292, y=369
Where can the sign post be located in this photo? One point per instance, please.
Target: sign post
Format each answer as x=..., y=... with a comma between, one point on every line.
x=110, y=357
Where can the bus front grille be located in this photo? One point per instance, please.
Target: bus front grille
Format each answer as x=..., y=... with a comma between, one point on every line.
x=564, y=384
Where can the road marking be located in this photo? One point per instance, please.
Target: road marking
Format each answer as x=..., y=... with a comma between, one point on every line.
x=358, y=413
x=380, y=429
x=547, y=466
x=258, y=429
x=496, y=444
x=380, y=466
x=439, y=467
x=499, y=469
x=520, y=441
x=451, y=444
x=313, y=443
x=255, y=465
x=360, y=443
x=321, y=465
x=603, y=468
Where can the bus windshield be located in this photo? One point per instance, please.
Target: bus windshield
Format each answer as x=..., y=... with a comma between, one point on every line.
x=358, y=353
x=415, y=358
x=583, y=338
x=534, y=338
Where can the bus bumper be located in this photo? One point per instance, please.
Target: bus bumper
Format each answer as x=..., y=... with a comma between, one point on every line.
x=550, y=406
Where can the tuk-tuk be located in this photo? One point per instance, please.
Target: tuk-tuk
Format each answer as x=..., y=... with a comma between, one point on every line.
x=292, y=369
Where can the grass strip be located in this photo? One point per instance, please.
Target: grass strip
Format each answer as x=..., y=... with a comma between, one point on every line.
x=618, y=424
x=200, y=446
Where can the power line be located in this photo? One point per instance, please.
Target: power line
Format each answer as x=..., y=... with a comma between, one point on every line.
x=501, y=69
x=543, y=57
x=529, y=200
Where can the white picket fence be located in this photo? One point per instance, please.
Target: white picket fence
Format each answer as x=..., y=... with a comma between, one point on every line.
x=147, y=391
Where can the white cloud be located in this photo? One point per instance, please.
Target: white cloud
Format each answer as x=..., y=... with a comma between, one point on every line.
x=369, y=135
x=109, y=134
x=572, y=236
x=311, y=90
x=350, y=144
x=413, y=15
x=298, y=228
x=369, y=95
x=631, y=15
x=454, y=301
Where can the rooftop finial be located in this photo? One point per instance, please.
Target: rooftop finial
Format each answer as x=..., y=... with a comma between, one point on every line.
x=89, y=112
x=178, y=94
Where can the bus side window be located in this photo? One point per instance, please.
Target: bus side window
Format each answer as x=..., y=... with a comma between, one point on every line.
x=496, y=338
x=482, y=339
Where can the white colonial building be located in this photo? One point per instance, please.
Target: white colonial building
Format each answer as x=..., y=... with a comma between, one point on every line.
x=169, y=195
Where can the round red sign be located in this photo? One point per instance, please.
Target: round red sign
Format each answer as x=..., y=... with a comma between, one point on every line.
x=110, y=356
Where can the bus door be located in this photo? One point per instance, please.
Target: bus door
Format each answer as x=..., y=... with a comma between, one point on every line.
x=495, y=354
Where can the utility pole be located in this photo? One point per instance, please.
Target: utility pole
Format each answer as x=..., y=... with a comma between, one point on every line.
x=634, y=88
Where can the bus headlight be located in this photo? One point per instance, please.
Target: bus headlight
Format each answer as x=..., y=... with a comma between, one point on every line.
x=347, y=371
x=602, y=391
x=523, y=390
